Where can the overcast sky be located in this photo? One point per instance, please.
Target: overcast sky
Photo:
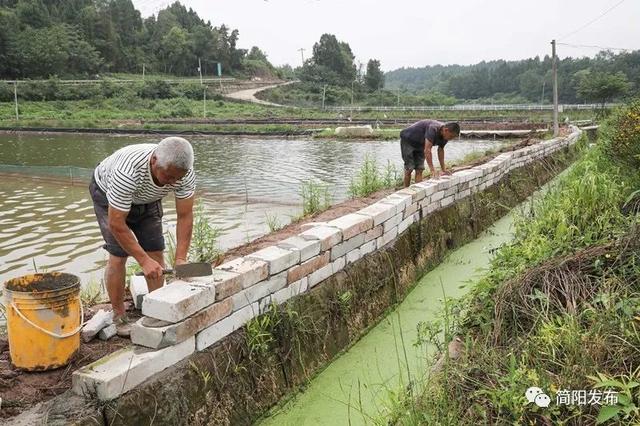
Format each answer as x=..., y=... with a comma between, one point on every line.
x=415, y=33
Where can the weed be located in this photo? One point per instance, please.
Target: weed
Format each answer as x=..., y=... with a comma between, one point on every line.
x=315, y=197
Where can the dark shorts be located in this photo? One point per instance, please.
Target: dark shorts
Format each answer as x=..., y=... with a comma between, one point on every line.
x=413, y=157
x=145, y=220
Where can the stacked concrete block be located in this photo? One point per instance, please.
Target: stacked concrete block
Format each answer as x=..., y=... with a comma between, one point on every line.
x=121, y=371
x=199, y=312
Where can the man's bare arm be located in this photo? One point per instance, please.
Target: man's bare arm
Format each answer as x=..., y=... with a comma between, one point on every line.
x=184, y=228
x=441, y=158
x=429, y=157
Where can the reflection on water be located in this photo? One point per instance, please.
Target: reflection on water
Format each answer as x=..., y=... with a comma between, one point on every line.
x=51, y=226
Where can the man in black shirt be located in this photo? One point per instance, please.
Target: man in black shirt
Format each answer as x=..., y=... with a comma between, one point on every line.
x=416, y=142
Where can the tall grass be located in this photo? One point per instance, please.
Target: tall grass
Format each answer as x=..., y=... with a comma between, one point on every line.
x=204, y=241
x=315, y=197
x=370, y=178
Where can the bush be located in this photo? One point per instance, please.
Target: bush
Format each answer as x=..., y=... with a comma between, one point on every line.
x=624, y=131
x=180, y=108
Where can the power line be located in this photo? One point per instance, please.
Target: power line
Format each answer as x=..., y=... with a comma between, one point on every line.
x=594, y=47
x=592, y=21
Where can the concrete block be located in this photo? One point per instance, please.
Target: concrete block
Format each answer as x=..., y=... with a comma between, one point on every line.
x=256, y=292
x=391, y=223
x=223, y=328
x=177, y=301
x=100, y=320
x=249, y=271
x=226, y=283
x=417, y=192
x=429, y=187
x=307, y=248
x=387, y=237
x=278, y=258
x=123, y=370
x=353, y=256
x=320, y=275
x=411, y=210
x=432, y=207
x=172, y=334
x=108, y=332
x=346, y=246
x=298, y=272
x=379, y=212
x=437, y=196
x=406, y=223
x=367, y=248
x=462, y=194
x=338, y=264
x=374, y=233
x=400, y=201
x=327, y=235
x=138, y=289
x=300, y=287
x=352, y=224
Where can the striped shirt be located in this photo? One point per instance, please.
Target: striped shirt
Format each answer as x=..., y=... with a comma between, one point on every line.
x=125, y=176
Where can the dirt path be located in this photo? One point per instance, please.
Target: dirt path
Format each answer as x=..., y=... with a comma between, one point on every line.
x=249, y=94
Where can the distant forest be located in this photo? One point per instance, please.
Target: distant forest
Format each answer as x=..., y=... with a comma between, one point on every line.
x=75, y=38
x=578, y=79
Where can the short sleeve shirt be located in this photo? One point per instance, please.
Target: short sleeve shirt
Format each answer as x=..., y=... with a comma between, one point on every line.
x=125, y=177
x=424, y=129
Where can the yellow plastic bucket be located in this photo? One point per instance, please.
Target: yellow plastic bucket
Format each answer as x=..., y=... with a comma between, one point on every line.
x=44, y=318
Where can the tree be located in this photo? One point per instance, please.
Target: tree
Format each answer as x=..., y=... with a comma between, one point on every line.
x=602, y=86
x=337, y=57
x=374, y=79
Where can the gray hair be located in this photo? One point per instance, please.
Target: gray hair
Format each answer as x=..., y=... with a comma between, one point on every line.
x=176, y=152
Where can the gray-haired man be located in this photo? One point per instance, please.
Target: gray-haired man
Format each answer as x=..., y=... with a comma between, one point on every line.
x=127, y=190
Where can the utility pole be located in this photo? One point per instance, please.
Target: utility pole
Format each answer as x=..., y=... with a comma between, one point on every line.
x=301, y=50
x=200, y=70
x=15, y=98
x=556, y=129
x=324, y=92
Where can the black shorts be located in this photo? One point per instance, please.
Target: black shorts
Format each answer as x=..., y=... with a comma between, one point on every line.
x=413, y=157
x=145, y=220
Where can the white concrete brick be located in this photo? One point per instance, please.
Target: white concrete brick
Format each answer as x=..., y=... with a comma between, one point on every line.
x=446, y=201
x=278, y=258
x=226, y=283
x=400, y=201
x=414, y=207
x=352, y=224
x=300, y=286
x=387, y=237
x=417, y=192
x=367, y=248
x=462, y=194
x=429, y=186
x=172, y=334
x=338, y=264
x=374, y=233
x=138, y=289
x=250, y=271
x=437, y=196
x=327, y=235
x=223, y=328
x=100, y=320
x=379, y=212
x=258, y=291
x=307, y=248
x=353, y=256
x=432, y=207
x=108, y=332
x=392, y=223
x=178, y=300
x=320, y=275
x=346, y=246
x=406, y=223
x=123, y=370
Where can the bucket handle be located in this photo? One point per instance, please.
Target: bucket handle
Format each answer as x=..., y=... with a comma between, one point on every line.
x=50, y=333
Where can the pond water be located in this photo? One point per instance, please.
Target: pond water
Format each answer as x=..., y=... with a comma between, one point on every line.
x=49, y=223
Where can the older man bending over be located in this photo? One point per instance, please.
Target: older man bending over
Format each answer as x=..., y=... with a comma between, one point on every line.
x=127, y=190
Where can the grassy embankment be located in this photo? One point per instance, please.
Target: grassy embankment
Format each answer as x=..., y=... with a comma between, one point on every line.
x=558, y=309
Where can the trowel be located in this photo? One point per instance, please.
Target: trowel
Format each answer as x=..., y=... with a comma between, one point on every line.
x=188, y=270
